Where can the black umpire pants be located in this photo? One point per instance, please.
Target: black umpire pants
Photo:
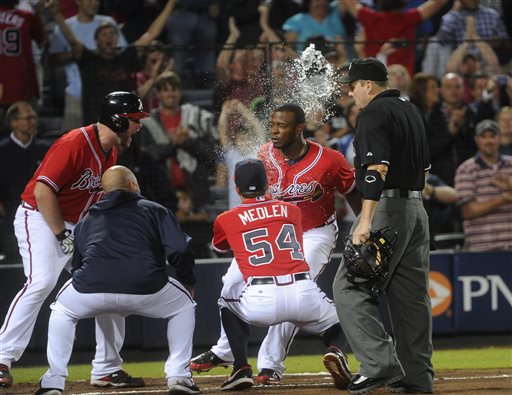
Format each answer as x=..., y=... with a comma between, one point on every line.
x=406, y=292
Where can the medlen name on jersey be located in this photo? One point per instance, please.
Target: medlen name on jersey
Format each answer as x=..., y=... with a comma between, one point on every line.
x=253, y=214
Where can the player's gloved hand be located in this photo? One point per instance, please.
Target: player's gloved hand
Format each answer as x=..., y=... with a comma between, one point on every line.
x=66, y=240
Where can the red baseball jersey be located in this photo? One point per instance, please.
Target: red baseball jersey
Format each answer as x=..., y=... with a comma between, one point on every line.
x=17, y=69
x=265, y=236
x=310, y=183
x=73, y=168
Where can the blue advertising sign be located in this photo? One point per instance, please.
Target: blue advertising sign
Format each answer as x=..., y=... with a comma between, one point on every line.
x=483, y=296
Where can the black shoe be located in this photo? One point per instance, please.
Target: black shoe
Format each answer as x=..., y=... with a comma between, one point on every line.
x=183, y=387
x=336, y=363
x=207, y=361
x=119, y=379
x=239, y=380
x=5, y=376
x=48, y=391
x=398, y=387
x=362, y=384
x=268, y=377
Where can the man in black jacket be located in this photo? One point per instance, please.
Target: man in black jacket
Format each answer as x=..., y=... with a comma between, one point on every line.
x=121, y=249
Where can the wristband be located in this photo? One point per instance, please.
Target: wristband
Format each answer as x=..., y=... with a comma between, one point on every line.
x=373, y=185
x=63, y=235
x=433, y=194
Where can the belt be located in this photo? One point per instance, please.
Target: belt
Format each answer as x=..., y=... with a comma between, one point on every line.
x=400, y=193
x=27, y=206
x=327, y=223
x=276, y=279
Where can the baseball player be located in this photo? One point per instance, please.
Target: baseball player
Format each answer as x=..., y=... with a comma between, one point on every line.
x=64, y=186
x=265, y=235
x=307, y=175
x=131, y=237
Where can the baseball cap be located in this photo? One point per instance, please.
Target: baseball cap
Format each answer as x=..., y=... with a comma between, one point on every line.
x=485, y=126
x=365, y=69
x=250, y=176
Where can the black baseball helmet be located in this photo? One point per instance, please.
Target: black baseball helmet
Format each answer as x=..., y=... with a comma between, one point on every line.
x=117, y=107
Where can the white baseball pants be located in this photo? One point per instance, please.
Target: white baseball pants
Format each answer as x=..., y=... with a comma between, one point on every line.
x=43, y=262
x=300, y=303
x=318, y=245
x=173, y=302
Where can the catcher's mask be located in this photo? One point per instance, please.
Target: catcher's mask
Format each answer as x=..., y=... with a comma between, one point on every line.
x=368, y=263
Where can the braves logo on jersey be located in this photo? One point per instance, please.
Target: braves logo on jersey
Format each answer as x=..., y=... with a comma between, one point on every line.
x=88, y=180
x=310, y=183
x=297, y=192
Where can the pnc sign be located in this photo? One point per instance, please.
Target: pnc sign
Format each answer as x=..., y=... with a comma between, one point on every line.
x=440, y=292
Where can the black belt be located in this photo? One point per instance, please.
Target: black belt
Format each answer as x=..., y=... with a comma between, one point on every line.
x=326, y=223
x=27, y=206
x=273, y=280
x=400, y=193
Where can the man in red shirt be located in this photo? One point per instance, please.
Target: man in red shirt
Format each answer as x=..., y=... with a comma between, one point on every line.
x=393, y=24
x=266, y=238
x=17, y=69
x=64, y=186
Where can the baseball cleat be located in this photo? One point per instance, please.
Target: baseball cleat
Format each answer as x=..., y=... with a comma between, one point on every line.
x=48, y=391
x=5, y=376
x=183, y=387
x=268, y=377
x=207, y=361
x=362, y=384
x=119, y=379
x=336, y=363
x=239, y=380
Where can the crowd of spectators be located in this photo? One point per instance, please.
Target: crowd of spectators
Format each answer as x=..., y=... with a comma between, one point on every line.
x=209, y=71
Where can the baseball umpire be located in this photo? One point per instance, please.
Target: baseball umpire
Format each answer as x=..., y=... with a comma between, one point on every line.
x=121, y=249
x=391, y=161
x=64, y=186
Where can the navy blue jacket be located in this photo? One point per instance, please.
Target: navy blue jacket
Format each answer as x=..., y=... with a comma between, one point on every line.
x=122, y=244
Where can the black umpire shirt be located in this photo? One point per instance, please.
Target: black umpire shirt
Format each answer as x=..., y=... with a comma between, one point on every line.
x=390, y=130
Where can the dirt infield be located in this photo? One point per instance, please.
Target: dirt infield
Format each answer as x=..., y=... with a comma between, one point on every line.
x=450, y=382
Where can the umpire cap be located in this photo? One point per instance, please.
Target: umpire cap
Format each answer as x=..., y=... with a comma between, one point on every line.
x=370, y=69
x=250, y=176
x=118, y=107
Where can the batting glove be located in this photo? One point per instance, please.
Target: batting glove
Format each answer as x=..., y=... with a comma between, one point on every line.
x=66, y=241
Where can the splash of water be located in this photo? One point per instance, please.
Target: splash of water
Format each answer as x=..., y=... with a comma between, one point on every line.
x=315, y=82
x=308, y=81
